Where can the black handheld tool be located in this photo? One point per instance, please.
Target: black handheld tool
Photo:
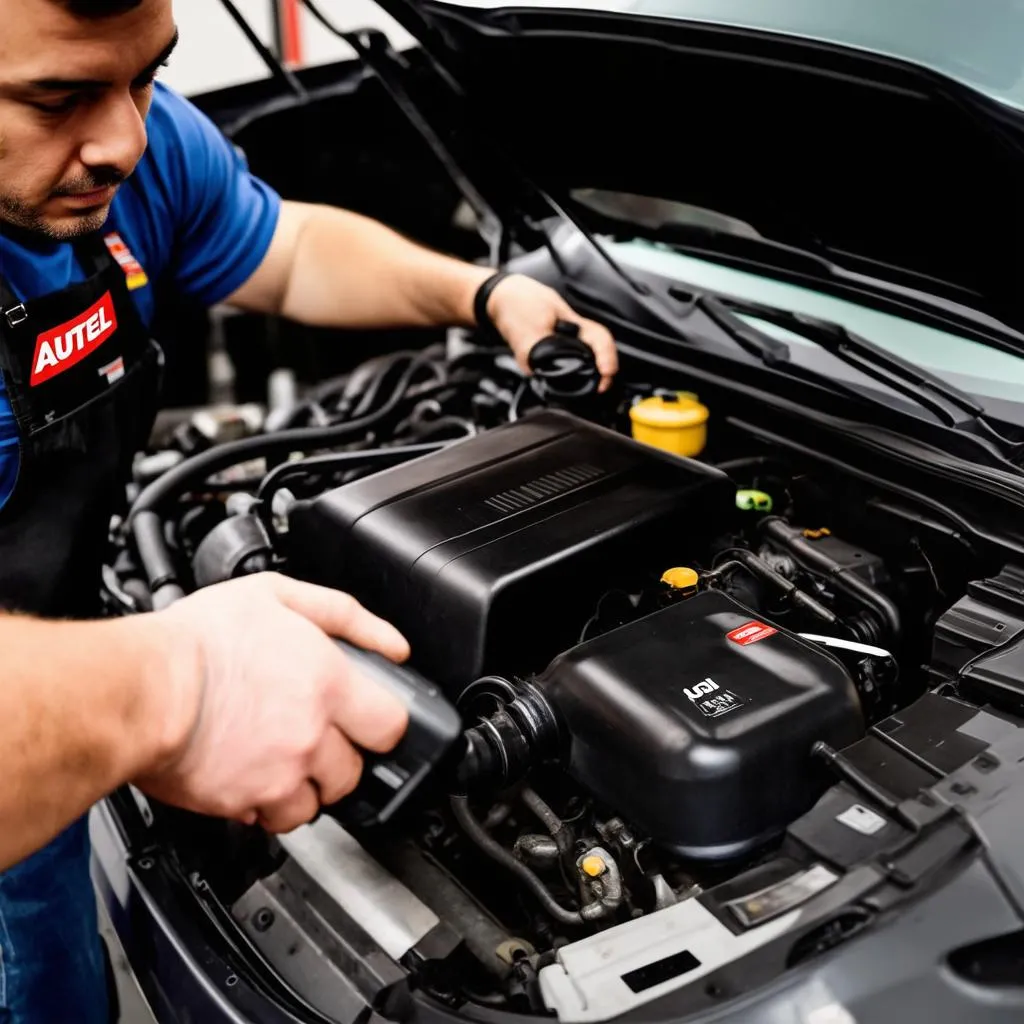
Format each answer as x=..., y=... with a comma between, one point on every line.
x=389, y=780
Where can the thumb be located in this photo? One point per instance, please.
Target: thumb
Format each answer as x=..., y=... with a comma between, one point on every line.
x=340, y=615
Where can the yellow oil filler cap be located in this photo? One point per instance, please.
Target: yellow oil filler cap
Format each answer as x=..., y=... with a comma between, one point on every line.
x=675, y=423
x=680, y=577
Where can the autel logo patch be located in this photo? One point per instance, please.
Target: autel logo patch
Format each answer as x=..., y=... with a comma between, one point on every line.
x=750, y=633
x=59, y=349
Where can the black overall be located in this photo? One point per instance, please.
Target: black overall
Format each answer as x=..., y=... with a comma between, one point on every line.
x=82, y=375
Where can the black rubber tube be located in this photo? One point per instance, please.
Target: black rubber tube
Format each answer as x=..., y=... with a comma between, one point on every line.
x=200, y=466
x=280, y=475
x=494, y=850
x=760, y=569
x=814, y=560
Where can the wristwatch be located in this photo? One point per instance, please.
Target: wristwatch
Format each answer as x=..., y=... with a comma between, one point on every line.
x=482, y=297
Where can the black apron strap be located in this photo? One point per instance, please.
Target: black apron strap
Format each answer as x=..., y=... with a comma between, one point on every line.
x=92, y=254
x=11, y=307
x=93, y=257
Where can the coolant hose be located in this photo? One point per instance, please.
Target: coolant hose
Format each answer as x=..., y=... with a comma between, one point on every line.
x=156, y=559
x=497, y=853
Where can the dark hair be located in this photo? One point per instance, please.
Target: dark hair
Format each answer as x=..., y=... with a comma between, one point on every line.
x=98, y=8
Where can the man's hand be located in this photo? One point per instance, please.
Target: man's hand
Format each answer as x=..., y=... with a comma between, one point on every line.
x=524, y=311
x=265, y=711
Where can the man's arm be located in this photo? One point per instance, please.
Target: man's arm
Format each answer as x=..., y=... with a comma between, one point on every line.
x=330, y=267
x=232, y=702
x=78, y=716
x=334, y=268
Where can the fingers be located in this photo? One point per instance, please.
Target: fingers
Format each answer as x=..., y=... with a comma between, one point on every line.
x=341, y=615
x=298, y=808
x=372, y=717
x=335, y=767
x=600, y=339
x=334, y=772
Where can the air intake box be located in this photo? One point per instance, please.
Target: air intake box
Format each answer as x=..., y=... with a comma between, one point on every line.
x=490, y=556
x=697, y=722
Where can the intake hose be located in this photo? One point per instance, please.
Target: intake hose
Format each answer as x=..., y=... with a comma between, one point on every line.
x=815, y=560
x=503, y=746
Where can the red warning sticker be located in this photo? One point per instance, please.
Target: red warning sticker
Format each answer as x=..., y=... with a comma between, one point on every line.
x=750, y=633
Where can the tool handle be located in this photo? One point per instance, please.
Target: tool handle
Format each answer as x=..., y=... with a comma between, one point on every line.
x=389, y=780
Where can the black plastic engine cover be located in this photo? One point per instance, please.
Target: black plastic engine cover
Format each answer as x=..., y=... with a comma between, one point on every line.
x=490, y=556
x=696, y=723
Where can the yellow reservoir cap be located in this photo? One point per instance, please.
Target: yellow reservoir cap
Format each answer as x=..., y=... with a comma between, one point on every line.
x=593, y=866
x=680, y=578
x=673, y=423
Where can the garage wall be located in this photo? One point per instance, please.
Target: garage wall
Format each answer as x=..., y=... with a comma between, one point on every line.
x=213, y=53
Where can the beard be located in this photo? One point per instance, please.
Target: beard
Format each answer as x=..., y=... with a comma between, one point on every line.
x=73, y=225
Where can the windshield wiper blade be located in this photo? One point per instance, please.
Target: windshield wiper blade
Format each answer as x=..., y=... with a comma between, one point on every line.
x=865, y=355
x=939, y=397
x=833, y=338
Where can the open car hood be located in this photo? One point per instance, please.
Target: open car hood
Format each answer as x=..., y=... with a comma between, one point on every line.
x=852, y=164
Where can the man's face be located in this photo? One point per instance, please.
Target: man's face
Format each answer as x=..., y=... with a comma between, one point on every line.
x=74, y=95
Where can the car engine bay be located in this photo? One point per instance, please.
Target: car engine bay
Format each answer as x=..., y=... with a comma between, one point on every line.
x=697, y=680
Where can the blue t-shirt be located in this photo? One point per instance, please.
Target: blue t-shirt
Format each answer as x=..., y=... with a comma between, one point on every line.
x=191, y=214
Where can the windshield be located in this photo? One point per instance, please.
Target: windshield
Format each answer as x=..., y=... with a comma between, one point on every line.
x=969, y=365
x=980, y=44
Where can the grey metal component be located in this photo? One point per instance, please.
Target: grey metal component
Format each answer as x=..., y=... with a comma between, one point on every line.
x=483, y=935
x=390, y=914
x=587, y=983
x=228, y=546
x=605, y=890
x=322, y=955
x=537, y=849
x=761, y=906
x=663, y=893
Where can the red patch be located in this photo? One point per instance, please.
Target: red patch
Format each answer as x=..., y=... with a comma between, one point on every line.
x=129, y=264
x=62, y=347
x=750, y=633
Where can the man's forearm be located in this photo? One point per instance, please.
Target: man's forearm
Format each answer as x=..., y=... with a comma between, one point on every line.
x=76, y=720
x=334, y=268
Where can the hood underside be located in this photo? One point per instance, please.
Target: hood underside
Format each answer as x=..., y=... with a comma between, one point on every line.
x=867, y=165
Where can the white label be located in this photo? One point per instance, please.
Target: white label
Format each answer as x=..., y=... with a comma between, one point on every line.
x=711, y=700
x=862, y=820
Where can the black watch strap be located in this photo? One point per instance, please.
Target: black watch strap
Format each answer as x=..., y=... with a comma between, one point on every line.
x=482, y=297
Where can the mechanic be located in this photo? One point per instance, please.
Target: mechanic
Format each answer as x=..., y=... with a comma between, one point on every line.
x=232, y=702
